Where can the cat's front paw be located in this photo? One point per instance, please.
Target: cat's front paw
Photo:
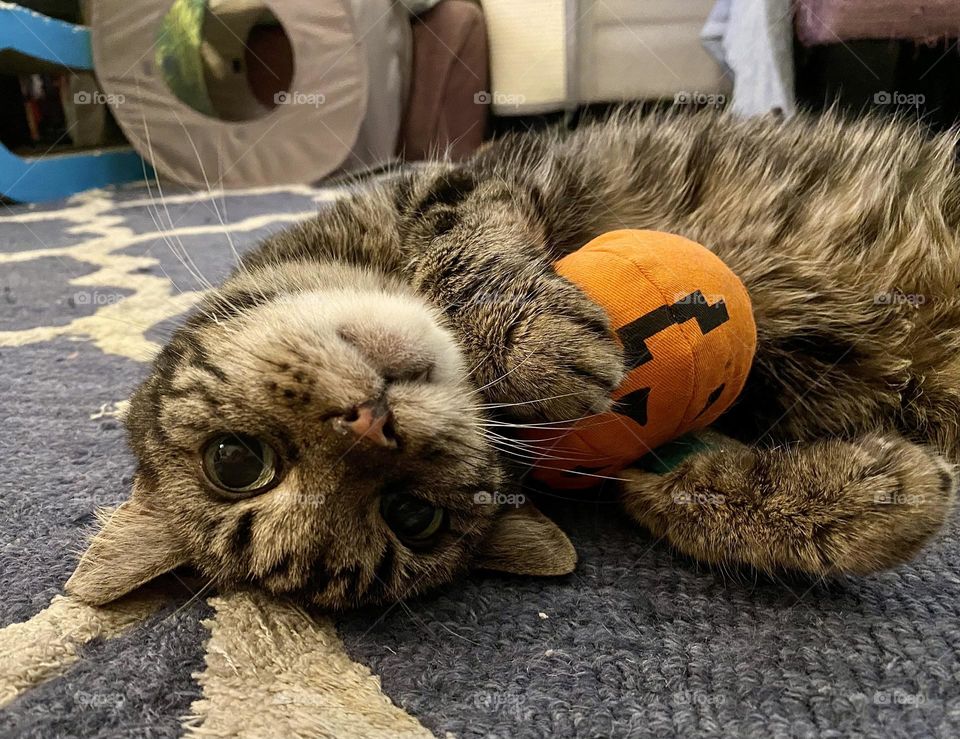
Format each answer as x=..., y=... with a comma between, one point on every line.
x=556, y=358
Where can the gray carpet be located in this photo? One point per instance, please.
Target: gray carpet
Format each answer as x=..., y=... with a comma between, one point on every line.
x=637, y=642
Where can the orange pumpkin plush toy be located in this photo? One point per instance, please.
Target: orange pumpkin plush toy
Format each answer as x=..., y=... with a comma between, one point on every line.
x=686, y=326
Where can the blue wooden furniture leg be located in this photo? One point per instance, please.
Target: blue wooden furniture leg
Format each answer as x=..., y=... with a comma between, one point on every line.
x=29, y=40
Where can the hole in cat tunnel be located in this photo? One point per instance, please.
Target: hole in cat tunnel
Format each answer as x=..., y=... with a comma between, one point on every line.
x=228, y=59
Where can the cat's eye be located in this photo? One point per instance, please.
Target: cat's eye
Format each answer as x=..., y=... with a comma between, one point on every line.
x=240, y=464
x=413, y=519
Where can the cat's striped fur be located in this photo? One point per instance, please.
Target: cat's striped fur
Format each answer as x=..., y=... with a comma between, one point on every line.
x=838, y=458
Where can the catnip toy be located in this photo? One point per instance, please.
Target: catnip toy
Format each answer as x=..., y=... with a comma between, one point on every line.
x=686, y=326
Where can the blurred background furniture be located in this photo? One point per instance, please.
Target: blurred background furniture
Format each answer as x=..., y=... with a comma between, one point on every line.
x=54, y=145
x=547, y=56
x=883, y=56
x=238, y=95
x=449, y=77
x=879, y=56
x=835, y=21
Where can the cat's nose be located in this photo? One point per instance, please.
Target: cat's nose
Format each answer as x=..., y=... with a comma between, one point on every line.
x=395, y=356
x=369, y=422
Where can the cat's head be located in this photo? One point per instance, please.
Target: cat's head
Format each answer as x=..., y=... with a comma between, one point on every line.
x=312, y=430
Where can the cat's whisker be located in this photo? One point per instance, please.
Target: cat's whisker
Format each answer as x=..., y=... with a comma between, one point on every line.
x=215, y=210
x=494, y=406
x=529, y=453
x=506, y=374
x=515, y=318
x=560, y=459
x=443, y=626
x=183, y=258
x=565, y=425
x=545, y=445
x=555, y=425
x=529, y=443
x=537, y=455
x=196, y=596
x=153, y=212
x=533, y=459
x=596, y=475
x=479, y=364
x=157, y=219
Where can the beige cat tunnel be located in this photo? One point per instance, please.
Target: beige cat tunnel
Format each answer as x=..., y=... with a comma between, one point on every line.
x=244, y=93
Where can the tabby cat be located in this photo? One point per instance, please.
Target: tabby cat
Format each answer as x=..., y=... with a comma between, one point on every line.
x=327, y=421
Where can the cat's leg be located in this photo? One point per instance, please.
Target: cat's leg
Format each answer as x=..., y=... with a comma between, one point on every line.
x=821, y=507
x=850, y=361
x=538, y=347
x=849, y=423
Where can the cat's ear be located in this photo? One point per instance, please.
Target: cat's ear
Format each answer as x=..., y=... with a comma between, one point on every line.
x=525, y=542
x=132, y=547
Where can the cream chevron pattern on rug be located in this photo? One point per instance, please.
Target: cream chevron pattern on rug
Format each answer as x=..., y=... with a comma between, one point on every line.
x=272, y=669
x=130, y=293
x=637, y=642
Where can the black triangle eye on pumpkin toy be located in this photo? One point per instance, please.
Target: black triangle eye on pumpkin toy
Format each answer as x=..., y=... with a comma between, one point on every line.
x=686, y=325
